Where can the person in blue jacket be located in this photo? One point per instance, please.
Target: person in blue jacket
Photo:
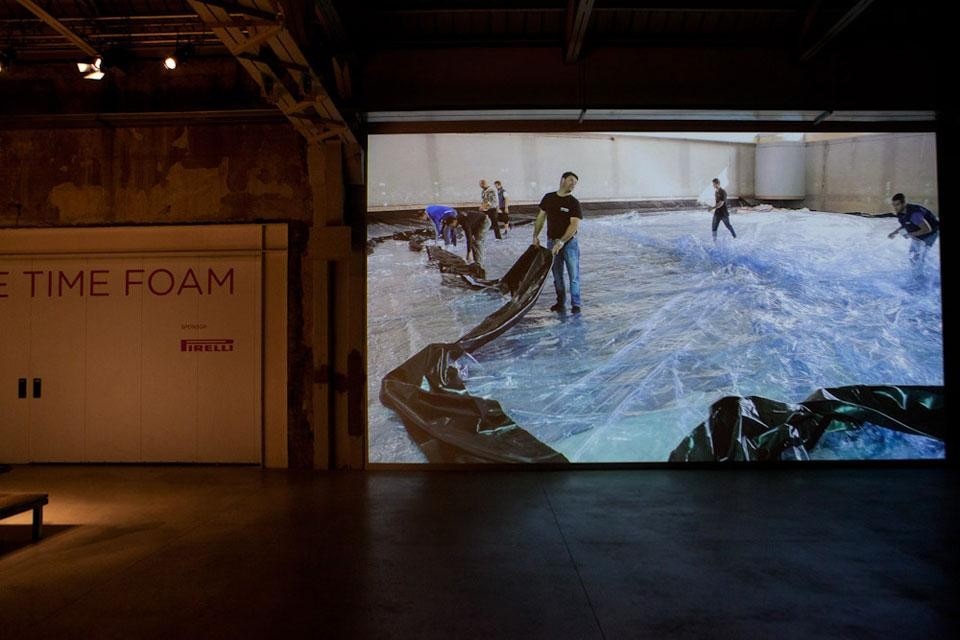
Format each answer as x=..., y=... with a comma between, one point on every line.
x=442, y=217
x=919, y=224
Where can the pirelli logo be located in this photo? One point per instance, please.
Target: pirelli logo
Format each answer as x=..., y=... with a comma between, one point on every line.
x=210, y=344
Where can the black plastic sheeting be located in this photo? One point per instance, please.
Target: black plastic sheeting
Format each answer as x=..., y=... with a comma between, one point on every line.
x=449, y=424
x=415, y=239
x=756, y=428
x=471, y=274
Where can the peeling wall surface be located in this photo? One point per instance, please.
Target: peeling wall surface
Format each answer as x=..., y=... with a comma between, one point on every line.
x=861, y=173
x=418, y=169
x=152, y=175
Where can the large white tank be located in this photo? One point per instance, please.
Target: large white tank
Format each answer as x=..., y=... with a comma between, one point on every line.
x=780, y=172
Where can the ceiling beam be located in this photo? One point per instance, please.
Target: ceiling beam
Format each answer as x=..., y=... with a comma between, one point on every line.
x=238, y=8
x=578, y=18
x=329, y=18
x=59, y=27
x=811, y=16
x=252, y=44
x=140, y=119
x=337, y=44
x=275, y=60
x=845, y=21
x=707, y=7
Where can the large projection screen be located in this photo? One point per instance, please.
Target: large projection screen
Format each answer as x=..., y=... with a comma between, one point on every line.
x=726, y=297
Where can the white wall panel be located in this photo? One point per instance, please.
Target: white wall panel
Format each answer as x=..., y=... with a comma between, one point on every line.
x=58, y=359
x=169, y=389
x=14, y=360
x=114, y=352
x=229, y=379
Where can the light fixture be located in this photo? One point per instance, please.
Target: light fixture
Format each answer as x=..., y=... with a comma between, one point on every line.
x=91, y=70
x=181, y=53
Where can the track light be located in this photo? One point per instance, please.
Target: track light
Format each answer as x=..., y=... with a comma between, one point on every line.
x=174, y=60
x=91, y=70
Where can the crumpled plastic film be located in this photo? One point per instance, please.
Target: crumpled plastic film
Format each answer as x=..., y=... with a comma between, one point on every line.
x=755, y=428
x=448, y=423
x=671, y=323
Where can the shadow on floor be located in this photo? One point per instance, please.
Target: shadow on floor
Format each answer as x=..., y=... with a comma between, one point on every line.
x=14, y=537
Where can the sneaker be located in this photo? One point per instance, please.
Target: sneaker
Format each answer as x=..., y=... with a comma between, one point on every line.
x=575, y=309
x=557, y=307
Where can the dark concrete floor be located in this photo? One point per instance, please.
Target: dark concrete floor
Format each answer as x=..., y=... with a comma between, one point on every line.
x=193, y=552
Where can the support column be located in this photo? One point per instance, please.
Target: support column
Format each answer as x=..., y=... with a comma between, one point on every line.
x=338, y=316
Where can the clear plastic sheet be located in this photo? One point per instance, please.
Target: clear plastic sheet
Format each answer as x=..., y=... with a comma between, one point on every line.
x=671, y=323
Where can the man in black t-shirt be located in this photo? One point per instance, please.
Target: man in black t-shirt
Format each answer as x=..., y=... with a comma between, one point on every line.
x=562, y=213
x=720, y=212
x=474, y=225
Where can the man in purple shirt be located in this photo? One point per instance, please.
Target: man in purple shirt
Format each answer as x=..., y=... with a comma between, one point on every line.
x=919, y=224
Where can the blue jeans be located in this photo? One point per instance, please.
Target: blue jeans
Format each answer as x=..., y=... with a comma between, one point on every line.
x=449, y=235
x=920, y=246
x=725, y=218
x=568, y=257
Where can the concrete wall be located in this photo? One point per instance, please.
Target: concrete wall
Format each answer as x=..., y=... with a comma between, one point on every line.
x=861, y=173
x=417, y=169
x=152, y=175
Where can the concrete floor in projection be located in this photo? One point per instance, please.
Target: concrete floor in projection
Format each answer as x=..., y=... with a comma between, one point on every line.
x=221, y=552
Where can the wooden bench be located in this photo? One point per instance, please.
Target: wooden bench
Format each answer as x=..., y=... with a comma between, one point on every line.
x=12, y=504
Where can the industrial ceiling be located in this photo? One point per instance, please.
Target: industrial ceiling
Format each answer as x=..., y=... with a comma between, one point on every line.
x=329, y=66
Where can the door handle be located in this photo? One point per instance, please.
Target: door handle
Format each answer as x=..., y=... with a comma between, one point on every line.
x=37, y=387
x=22, y=388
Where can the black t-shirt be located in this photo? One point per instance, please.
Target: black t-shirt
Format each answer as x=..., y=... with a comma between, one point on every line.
x=559, y=210
x=472, y=221
x=722, y=197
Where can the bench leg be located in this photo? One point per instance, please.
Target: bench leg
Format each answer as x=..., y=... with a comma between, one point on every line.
x=37, y=523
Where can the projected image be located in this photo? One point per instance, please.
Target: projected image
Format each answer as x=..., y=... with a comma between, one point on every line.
x=624, y=297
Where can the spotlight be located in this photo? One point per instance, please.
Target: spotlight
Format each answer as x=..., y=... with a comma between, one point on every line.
x=181, y=53
x=91, y=70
